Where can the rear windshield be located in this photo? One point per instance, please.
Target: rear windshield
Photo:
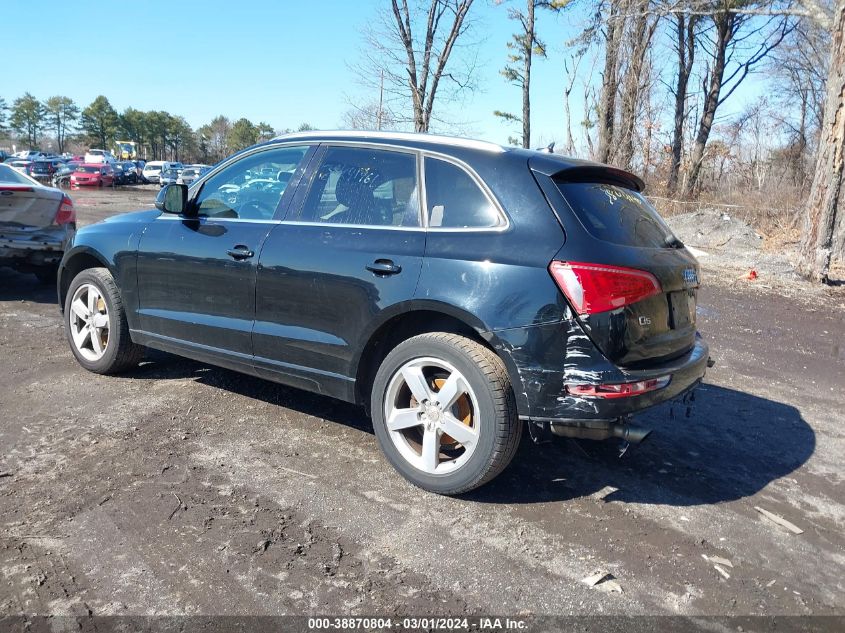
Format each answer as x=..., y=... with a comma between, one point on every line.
x=7, y=174
x=618, y=215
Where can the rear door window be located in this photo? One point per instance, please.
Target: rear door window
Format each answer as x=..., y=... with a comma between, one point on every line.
x=618, y=215
x=363, y=186
x=455, y=200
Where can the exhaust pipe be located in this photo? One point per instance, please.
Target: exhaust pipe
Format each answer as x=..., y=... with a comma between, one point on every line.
x=629, y=433
x=604, y=430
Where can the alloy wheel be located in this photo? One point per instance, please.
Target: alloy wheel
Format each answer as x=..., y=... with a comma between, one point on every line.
x=89, y=322
x=431, y=414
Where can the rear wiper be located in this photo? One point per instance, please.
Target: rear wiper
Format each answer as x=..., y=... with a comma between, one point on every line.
x=673, y=242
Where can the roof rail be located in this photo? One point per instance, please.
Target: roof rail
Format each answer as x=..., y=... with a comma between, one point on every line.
x=415, y=137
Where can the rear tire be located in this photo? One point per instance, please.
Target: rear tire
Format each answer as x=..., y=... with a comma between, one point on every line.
x=96, y=326
x=457, y=445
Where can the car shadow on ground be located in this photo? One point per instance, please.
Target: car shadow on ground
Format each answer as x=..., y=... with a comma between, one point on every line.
x=163, y=366
x=731, y=446
x=15, y=286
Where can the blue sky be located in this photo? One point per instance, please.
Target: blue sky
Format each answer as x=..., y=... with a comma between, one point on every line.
x=280, y=61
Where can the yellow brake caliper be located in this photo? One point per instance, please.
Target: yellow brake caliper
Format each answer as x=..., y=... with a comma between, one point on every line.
x=464, y=411
x=101, y=308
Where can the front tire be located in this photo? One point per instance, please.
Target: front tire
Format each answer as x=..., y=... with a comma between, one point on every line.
x=444, y=413
x=96, y=326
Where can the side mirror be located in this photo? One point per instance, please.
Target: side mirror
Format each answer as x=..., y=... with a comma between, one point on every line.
x=172, y=199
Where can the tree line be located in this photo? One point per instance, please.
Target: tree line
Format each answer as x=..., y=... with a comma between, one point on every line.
x=62, y=124
x=653, y=78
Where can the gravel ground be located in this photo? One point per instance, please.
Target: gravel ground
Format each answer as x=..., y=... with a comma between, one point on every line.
x=182, y=488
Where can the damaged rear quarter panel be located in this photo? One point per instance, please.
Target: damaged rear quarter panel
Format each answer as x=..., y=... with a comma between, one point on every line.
x=548, y=356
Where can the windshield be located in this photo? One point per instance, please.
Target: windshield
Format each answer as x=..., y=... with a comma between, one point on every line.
x=88, y=169
x=152, y=168
x=618, y=215
x=190, y=172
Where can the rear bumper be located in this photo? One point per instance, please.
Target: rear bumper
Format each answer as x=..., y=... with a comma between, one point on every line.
x=685, y=376
x=544, y=359
x=34, y=249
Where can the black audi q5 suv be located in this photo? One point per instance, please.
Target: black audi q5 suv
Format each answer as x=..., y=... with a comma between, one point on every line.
x=459, y=290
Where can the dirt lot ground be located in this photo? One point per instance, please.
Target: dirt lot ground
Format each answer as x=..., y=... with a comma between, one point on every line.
x=186, y=489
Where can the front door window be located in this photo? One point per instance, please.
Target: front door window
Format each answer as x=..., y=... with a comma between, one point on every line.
x=251, y=188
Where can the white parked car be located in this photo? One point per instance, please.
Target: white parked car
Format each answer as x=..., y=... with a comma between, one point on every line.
x=154, y=168
x=29, y=154
x=99, y=156
x=191, y=174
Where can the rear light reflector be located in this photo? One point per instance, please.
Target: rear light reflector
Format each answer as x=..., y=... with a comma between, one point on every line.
x=593, y=288
x=23, y=188
x=619, y=390
x=67, y=212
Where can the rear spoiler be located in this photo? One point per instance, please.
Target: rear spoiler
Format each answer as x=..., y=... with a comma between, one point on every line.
x=572, y=170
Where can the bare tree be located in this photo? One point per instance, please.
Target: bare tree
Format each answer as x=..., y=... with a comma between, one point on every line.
x=800, y=67
x=368, y=116
x=729, y=65
x=614, y=28
x=591, y=106
x=824, y=226
x=571, y=76
x=651, y=117
x=636, y=76
x=823, y=233
x=685, y=47
x=414, y=47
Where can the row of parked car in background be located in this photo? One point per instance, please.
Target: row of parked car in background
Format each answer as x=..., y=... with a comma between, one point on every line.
x=100, y=168
x=38, y=220
x=168, y=173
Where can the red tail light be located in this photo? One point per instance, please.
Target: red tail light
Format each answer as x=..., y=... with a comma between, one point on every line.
x=67, y=212
x=619, y=390
x=593, y=288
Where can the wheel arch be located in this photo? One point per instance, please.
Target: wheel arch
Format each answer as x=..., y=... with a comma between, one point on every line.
x=421, y=317
x=74, y=262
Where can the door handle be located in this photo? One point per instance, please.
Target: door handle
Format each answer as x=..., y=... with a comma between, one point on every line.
x=240, y=252
x=384, y=267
